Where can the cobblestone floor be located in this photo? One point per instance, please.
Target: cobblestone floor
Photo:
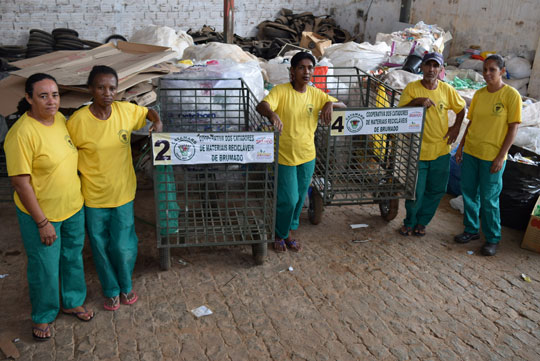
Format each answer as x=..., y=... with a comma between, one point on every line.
x=392, y=298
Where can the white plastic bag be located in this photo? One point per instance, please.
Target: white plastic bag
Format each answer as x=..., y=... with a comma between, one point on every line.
x=457, y=203
x=163, y=36
x=528, y=138
x=218, y=51
x=517, y=68
x=364, y=56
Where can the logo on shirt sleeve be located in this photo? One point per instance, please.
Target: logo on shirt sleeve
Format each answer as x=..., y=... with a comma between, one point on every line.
x=123, y=135
x=498, y=108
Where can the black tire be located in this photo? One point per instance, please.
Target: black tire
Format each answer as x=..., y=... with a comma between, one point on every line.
x=315, y=207
x=389, y=209
x=115, y=37
x=165, y=258
x=259, y=251
x=59, y=31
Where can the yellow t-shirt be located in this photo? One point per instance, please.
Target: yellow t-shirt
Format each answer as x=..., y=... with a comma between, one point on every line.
x=105, y=163
x=445, y=98
x=299, y=113
x=490, y=114
x=47, y=154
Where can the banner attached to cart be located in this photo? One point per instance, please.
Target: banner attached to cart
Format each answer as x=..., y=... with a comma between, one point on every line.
x=212, y=148
x=377, y=121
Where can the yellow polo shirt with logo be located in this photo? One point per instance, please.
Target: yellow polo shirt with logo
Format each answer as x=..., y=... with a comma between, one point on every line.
x=490, y=114
x=48, y=155
x=299, y=113
x=445, y=98
x=105, y=162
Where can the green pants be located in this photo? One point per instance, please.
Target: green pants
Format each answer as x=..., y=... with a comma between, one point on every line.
x=293, y=184
x=430, y=188
x=114, y=246
x=481, y=190
x=47, y=264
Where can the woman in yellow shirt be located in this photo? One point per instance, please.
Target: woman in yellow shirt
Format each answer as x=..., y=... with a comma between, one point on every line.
x=102, y=131
x=293, y=108
x=42, y=164
x=494, y=115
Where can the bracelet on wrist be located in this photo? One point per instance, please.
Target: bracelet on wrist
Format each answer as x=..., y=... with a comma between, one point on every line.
x=43, y=220
x=44, y=224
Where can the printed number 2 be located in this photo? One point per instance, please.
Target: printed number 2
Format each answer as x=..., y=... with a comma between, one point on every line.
x=338, y=124
x=161, y=155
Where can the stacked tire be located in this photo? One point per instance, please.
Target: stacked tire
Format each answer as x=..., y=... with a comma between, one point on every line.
x=40, y=42
x=67, y=39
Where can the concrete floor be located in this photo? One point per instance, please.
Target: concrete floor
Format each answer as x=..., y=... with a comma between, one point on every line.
x=392, y=298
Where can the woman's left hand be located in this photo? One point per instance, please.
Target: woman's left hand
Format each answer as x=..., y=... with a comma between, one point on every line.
x=497, y=164
x=326, y=113
x=156, y=126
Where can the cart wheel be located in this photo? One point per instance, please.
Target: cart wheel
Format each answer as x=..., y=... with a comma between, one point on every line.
x=315, y=207
x=259, y=250
x=165, y=258
x=389, y=209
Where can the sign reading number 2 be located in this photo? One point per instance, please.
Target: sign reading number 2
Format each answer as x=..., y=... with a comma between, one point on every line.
x=165, y=149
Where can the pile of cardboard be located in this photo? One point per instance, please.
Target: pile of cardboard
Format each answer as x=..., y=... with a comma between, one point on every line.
x=136, y=65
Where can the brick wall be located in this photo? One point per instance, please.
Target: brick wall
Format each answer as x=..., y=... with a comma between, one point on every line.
x=97, y=20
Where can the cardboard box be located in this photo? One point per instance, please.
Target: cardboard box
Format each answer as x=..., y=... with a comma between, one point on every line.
x=531, y=240
x=314, y=42
x=133, y=62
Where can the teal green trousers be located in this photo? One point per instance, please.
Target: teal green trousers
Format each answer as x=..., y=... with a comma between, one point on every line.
x=481, y=190
x=114, y=246
x=47, y=264
x=293, y=184
x=430, y=188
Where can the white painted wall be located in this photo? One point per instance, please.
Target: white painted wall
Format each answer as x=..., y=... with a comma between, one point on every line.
x=97, y=20
x=495, y=25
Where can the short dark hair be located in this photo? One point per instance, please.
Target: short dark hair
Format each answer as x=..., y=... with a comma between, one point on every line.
x=23, y=105
x=298, y=57
x=101, y=69
x=497, y=59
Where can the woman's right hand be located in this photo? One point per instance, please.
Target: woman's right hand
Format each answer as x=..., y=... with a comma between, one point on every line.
x=47, y=234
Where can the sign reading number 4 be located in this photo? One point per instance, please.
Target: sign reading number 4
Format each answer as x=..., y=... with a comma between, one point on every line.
x=337, y=125
x=161, y=154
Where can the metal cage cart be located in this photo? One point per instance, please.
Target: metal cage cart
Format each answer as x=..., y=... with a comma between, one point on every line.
x=6, y=191
x=369, y=154
x=223, y=200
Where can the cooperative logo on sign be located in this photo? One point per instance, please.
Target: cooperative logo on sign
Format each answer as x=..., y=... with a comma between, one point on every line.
x=261, y=154
x=415, y=115
x=355, y=122
x=184, y=150
x=264, y=140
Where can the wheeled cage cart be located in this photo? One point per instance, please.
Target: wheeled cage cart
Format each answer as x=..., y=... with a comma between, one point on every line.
x=215, y=172
x=6, y=191
x=369, y=154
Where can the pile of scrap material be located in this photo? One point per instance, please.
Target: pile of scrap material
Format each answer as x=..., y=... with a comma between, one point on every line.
x=41, y=42
x=273, y=35
x=136, y=65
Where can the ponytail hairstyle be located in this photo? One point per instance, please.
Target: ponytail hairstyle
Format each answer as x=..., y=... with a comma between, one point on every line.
x=23, y=105
x=101, y=69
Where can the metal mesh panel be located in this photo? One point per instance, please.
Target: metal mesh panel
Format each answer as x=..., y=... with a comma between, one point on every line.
x=209, y=204
x=363, y=168
x=6, y=191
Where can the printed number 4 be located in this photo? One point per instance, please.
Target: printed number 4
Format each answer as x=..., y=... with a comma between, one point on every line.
x=338, y=124
x=161, y=155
